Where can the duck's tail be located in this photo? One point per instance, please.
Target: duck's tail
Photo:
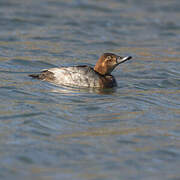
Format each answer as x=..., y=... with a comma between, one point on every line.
x=35, y=76
x=44, y=75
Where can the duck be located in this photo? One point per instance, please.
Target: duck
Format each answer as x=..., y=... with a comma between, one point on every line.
x=98, y=76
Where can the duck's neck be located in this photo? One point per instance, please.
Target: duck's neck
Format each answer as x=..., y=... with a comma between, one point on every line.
x=100, y=69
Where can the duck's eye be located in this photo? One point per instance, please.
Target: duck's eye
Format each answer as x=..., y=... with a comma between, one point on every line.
x=108, y=58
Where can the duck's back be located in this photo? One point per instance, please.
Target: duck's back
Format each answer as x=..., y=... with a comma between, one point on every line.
x=72, y=76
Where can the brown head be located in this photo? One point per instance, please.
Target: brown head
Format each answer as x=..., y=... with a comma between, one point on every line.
x=107, y=62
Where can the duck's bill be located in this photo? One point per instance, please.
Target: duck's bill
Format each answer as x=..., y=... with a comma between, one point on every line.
x=123, y=59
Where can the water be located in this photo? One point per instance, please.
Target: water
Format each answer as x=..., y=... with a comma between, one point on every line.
x=129, y=132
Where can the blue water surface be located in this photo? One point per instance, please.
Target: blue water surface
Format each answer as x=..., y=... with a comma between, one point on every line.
x=131, y=132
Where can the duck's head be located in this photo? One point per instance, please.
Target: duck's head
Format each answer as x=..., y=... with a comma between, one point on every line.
x=108, y=61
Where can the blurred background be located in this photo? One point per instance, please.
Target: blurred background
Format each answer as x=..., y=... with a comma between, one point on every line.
x=130, y=132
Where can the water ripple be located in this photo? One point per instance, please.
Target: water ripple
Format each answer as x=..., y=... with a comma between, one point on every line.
x=128, y=132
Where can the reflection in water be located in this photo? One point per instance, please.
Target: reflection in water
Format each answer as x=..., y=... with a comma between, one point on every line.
x=72, y=91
